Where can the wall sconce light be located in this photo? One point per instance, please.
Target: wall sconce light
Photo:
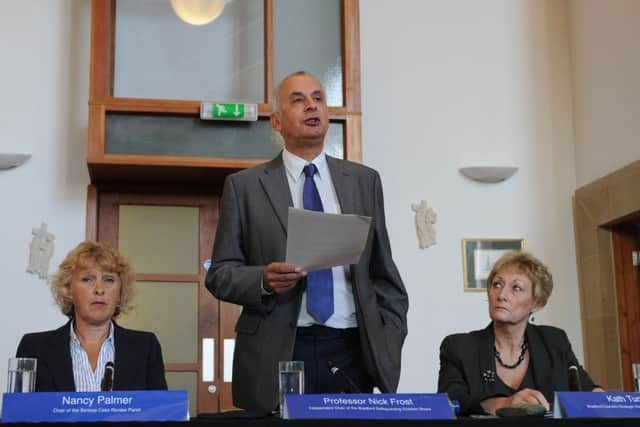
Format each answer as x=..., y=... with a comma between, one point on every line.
x=198, y=12
x=9, y=161
x=488, y=174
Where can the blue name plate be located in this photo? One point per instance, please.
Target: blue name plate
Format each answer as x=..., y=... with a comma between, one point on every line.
x=596, y=405
x=370, y=406
x=95, y=406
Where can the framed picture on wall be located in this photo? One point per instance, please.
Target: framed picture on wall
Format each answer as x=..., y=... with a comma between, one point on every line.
x=478, y=257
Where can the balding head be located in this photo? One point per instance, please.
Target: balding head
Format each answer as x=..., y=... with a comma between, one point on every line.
x=301, y=114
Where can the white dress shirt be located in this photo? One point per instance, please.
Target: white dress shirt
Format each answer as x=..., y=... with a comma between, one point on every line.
x=344, y=314
x=85, y=378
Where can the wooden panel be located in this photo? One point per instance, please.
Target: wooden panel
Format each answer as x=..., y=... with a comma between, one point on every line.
x=181, y=367
x=229, y=314
x=581, y=291
x=158, y=179
x=172, y=106
x=268, y=53
x=353, y=139
x=144, y=105
x=182, y=278
x=209, y=307
x=96, y=134
x=91, y=225
x=142, y=160
x=108, y=218
x=351, y=55
x=102, y=45
x=628, y=294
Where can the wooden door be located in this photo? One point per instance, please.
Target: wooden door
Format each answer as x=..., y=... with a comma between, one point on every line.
x=169, y=239
x=626, y=251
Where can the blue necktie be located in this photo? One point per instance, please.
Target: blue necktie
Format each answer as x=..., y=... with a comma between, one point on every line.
x=319, y=283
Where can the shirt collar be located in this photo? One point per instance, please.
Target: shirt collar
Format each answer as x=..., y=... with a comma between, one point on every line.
x=295, y=165
x=76, y=341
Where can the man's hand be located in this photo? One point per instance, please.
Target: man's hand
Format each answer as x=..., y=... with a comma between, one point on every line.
x=280, y=277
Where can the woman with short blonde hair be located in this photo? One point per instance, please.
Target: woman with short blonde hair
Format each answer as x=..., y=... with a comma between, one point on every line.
x=511, y=361
x=93, y=285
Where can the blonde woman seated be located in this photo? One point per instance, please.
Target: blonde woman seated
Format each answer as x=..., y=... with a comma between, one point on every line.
x=93, y=286
x=510, y=361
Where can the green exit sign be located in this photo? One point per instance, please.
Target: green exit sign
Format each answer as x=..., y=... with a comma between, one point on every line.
x=228, y=111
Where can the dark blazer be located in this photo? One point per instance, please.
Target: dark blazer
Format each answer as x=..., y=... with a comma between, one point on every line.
x=252, y=232
x=468, y=365
x=137, y=365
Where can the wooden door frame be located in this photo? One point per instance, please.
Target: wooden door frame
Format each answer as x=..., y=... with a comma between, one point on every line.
x=104, y=167
x=597, y=208
x=214, y=316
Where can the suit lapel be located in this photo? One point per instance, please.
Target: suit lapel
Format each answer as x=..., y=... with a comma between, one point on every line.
x=126, y=349
x=539, y=360
x=61, y=366
x=345, y=187
x=486, y=360
x=275, y=185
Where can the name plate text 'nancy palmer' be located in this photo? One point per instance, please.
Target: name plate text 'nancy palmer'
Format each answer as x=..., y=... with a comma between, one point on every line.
x=96, y=406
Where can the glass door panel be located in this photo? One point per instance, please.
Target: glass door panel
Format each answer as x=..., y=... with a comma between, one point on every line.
x=160, y=239
x=185, y=381
x=167, y=238
x=170, y=310
x=307, y=35
x=159, y=56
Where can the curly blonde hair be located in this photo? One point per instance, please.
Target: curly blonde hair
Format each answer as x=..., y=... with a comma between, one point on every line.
x=105, y=257
x=536, y=271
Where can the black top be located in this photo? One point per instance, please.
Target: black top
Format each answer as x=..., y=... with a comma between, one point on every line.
x=505, y=390
x=468, y=366
x=138, y=359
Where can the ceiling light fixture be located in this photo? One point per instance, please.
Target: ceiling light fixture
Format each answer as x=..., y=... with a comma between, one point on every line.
x=198, y=12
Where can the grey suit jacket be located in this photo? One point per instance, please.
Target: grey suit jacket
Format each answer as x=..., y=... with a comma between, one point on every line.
x=252, y=233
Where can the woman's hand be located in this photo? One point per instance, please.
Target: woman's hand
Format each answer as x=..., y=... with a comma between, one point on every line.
x=529, y=396
x=525, y=396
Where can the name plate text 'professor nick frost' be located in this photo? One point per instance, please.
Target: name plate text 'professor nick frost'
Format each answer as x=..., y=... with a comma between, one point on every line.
x=369, y=406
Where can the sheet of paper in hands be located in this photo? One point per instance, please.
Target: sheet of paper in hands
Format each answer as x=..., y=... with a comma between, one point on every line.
x=317, y=240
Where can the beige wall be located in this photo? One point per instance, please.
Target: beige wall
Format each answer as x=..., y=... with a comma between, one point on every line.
x=44, y=86
x=606, y=66
x=447, y=84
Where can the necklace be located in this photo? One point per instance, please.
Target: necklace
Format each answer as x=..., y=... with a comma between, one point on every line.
x=523, y=351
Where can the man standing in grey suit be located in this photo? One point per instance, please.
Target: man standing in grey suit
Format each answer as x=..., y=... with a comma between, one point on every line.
x=353, y=315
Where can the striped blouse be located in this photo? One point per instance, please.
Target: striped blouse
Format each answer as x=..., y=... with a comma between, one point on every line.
x=85, y=378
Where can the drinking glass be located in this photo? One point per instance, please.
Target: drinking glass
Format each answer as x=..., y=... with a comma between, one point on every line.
x=22, y=375
x=291, y=381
